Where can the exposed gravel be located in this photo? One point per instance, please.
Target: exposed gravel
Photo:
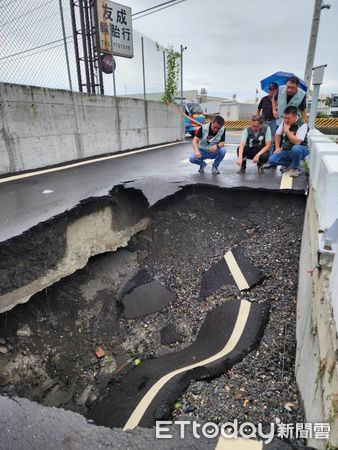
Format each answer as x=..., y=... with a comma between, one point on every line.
x=187, y=234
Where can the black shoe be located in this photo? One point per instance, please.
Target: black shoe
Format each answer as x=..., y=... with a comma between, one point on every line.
x=202, y=167
x=269, y=166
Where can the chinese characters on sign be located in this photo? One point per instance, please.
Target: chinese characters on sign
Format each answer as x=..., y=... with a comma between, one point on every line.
x=115, y=25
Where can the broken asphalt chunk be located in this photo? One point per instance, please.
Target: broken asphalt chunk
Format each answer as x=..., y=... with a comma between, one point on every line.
x=235, y=268
x=147, y=299
x=148, y=392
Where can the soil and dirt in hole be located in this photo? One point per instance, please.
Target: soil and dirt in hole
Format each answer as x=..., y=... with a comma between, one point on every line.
x=48, y=345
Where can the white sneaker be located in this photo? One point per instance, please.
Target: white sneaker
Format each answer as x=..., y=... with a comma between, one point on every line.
x=215, y=170
x=294, y=172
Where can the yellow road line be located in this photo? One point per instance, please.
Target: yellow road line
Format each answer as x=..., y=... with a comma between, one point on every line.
x=82, y=163
x=242, y=317
x=286, y=181
x=236, y=271
x=238, y=444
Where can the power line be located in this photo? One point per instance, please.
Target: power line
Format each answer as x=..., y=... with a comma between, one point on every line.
x=27, y=12
x=36, y=53
x=33, y=23
x=34, y=48
x=7, y=4
x=153, y=7
x=33, y=54
x=165, y=7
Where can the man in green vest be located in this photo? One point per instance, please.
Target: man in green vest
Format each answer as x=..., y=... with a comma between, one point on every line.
x=255, y=144
x=289, y=95
x=208, y=143
x=290, y=143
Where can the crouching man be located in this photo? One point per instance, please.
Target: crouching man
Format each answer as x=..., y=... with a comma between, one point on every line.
x=255, y=144
x=208, y=143
x=290, y=143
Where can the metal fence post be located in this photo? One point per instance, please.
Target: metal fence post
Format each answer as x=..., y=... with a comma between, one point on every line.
x=144, y=92
x=143, y=70
x=112, y=62
x=164, y=72
x=65, y=45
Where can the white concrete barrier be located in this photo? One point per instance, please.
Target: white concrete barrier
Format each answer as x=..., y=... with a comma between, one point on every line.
x=42, y=127
x=317, y=302
x=318, y=150
x=324, y=177
x=334, y=290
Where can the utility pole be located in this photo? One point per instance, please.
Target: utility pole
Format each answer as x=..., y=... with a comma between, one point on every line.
x=181, y=74
x=181, y=66
x=313, y=40
x=318, y=75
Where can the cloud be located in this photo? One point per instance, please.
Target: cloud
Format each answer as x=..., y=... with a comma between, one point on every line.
x=232, y=45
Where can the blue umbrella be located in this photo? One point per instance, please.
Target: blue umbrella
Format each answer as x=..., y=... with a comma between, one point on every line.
x=280, y=78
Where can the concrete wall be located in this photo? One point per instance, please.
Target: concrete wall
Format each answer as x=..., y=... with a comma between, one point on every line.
x=191, y=94
x=212, y=107
x=42, y=127
x=317, y=304
x=234, y=110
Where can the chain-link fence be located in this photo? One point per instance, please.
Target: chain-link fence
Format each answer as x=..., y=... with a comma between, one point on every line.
x=32, y=47
x=129, y=72
x=32, y=51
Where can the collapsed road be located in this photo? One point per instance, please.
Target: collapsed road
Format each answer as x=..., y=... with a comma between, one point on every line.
x=176, y=234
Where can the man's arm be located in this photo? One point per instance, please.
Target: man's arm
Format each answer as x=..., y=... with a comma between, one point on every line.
x=263, y=150
x=241, y=147
x=215, y=147
x=266, y=147
x=240, y=153
x=292, y=138
x=274, y=106
x=302, y=132
x=302, y=108
x=220, y=144
x=195, y=143
x=259, y=107
x=304, y=115
x=278, y=138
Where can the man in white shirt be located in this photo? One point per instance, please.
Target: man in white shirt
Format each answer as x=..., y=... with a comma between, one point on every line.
x=290, y=143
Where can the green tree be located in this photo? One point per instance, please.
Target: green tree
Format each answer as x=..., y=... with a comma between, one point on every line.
x=172, y=75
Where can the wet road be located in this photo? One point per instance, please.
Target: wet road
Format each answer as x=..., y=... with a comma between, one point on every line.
x=159, y=172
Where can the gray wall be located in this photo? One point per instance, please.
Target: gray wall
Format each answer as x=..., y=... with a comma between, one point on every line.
x=317, y=303
x=41, y=127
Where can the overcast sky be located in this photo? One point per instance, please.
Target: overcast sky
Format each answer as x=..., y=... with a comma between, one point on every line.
x=232, y=45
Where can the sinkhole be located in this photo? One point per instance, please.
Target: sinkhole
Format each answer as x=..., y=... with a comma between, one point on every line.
x=109, y=295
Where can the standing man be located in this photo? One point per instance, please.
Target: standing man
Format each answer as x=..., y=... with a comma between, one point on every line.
x=255, y=144
x=290, y=143
x=208, y=143
x=289, y=95
x=265, y=108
